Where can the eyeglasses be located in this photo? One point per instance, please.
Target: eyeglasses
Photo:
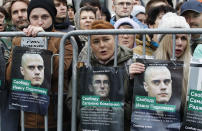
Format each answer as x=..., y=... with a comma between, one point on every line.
x=121, y=4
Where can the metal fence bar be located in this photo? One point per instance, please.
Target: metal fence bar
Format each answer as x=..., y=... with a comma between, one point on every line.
x=75, y=49
x=144, y=45
x=137, y=31
x=74, y=85
x=60, y=82
x=174, y=44
x=22, y=120
x=46, y=122
x=115, y=52
x=60, y=85
x=97, y=32
x=40, y=34
x=109, y=31
x=89, y=50
x=22, y=34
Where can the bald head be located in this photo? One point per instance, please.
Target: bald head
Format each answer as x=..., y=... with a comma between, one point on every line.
x=158, y=83
x=32, y=68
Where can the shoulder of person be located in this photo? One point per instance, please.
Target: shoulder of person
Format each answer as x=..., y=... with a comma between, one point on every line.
x=125, y=51
x=198, y=51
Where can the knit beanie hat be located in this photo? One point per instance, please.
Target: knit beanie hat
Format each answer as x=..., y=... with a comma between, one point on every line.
x=126, y=21
x=137, y=9
x=46, y=4
x=171, y=20
x=101, y=24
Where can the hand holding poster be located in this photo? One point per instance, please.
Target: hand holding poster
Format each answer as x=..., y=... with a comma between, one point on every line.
x=102, y=98
x=193, y=111
x=31, y=79
x=157, y=96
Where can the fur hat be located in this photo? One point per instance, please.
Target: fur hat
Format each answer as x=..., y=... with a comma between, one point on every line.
x=101, y=24
x=46, y=4
x=171, y=20
x=126, y=21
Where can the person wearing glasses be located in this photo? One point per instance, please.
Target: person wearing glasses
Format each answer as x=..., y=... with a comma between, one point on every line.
x=158, y=83
x=122, y=9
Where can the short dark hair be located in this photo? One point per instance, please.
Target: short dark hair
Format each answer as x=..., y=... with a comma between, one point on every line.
x=154, y=12
x=13, y=1
x=93, y=3
x=3, y=11
x=148, y=6
x=99, y=73
x=106, y=12
x=63, y=1
x=69, y=6
x=88, y=8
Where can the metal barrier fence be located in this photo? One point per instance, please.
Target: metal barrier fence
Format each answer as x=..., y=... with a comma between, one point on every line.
x=75, y=54
x=42, y=34
x=100, y=32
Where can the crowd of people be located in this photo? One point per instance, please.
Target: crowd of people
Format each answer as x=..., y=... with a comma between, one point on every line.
x=36, y=16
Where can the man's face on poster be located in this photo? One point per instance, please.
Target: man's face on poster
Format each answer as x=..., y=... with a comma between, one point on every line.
x=100, y=85
x=158, y=84
x=32, y=68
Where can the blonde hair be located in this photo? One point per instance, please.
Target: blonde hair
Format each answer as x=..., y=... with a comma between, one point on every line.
x=164, y=52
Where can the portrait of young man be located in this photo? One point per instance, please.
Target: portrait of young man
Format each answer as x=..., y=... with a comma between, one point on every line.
x=157, y=96
x=158, y=83
x=32, y=68
x=31, y=78
x=100, y=86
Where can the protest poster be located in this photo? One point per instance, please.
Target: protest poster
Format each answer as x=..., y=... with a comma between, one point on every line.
x=193, y=109
x=31, y=80
x=157, y=96
x=2, y=69
x=101, y=98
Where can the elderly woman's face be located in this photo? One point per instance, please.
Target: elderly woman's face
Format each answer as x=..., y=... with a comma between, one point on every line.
x=2, y=25
x=126, y=39
x=102, y=46
x=40, y=17
x=86, y=18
